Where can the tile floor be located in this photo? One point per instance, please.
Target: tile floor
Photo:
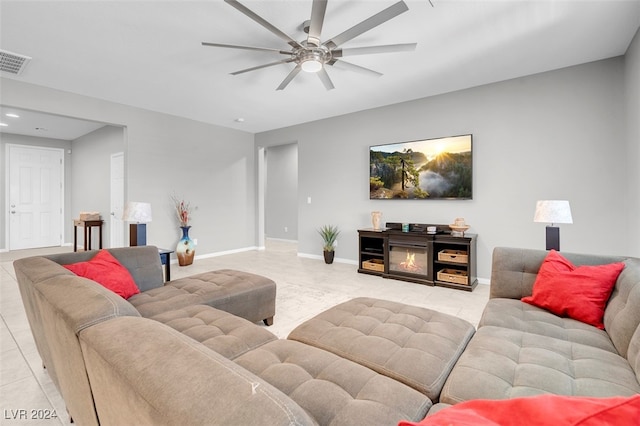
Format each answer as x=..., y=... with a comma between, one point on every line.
x=305, y=287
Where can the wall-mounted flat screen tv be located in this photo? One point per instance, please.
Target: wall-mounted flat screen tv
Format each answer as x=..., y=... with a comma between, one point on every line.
x=429, y=169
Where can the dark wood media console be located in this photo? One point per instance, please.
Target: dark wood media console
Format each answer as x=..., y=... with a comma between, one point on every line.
x=416, y=255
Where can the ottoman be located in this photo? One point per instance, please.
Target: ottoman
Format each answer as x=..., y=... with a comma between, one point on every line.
x=415, y=346
x=246, y=295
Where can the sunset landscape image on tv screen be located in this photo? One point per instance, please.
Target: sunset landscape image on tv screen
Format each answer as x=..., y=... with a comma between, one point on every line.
x=425, y=169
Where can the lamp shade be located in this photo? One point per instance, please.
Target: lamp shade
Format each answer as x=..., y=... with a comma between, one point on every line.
x=553, y=211
x=138, y=212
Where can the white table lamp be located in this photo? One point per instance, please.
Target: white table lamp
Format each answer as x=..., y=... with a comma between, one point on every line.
x=553, y=211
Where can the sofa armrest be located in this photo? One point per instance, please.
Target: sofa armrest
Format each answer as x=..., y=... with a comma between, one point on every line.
x=144, y=372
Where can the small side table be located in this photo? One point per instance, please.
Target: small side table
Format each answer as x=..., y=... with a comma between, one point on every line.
x=165, y=259
x=87, y=225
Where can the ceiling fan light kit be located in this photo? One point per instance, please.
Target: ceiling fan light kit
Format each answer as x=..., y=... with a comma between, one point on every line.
x=313, y=56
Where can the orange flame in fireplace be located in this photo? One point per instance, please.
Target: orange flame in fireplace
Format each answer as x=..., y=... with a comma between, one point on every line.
x=410, y=263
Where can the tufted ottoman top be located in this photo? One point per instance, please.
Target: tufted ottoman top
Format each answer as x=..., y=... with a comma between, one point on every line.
x=416, y=346
x=244, y=294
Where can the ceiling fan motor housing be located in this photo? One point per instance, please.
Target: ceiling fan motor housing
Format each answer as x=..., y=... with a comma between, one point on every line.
x=312, y=53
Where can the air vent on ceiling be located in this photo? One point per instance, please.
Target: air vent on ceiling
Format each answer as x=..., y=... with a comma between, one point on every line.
x=12, y=62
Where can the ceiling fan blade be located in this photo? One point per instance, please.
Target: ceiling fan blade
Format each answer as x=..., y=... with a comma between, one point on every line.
x=235, y=46
x=324, y=77
x=389, y=48
x=318, y=10
x=289, y=77
x=263, y=22
x=284, y=61
x=353, y=67
x=364, y=26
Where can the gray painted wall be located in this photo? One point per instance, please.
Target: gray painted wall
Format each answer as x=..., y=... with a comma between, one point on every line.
x=555, y=135
x=211, y=166
x=8, y=138
x=91, y=173
x=281, y=194
x=632, y=104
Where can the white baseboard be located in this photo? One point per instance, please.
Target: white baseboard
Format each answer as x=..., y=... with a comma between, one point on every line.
x=220, y=253
x=335, y=259
x=282, y=240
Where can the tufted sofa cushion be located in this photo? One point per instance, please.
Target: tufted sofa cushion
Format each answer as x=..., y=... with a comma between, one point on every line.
x=500, y=363
x=246, y=295
x=227, y=334
x=331, y=389
x=514, y=314
x=413, y=345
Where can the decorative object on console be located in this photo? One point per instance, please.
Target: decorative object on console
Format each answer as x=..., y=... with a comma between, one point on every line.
x=139, y=214
x=553, y=211
x=427, y=169
x=86, y=216
x=329, y=234
x=458, y=227
x=376, y=218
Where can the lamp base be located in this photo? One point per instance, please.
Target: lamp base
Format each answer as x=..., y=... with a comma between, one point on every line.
x=137, y=234
x=553, y=238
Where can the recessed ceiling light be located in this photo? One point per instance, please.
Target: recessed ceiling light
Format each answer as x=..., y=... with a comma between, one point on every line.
x=3, y=124
x=239, y=120
x=12, y=115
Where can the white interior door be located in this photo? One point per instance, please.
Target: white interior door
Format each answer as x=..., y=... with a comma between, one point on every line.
x=35, y=196
x=117, y=200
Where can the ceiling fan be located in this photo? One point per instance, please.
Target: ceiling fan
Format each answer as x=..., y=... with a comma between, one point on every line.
x=312, y=55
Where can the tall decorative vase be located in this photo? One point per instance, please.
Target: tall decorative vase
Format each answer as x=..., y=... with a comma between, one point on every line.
x=186, y=249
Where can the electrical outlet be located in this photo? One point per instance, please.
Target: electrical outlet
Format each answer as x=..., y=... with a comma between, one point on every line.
x=195, y=241
x=286, y=229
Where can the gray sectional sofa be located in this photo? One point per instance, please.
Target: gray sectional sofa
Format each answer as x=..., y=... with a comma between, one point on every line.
x=150, y=360
x=179, y=360
x=522, y=350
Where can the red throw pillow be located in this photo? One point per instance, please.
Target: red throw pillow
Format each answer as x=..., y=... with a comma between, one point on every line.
x=107, y=271
x=578, y=292
x=542, y=410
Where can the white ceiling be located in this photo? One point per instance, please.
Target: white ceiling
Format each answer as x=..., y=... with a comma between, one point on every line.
x=148, y=53
x=33, y=123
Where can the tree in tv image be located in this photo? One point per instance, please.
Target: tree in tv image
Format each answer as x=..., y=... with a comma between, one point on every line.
x=426, y=169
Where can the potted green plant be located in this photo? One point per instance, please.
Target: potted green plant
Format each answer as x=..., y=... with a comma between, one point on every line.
x=329, y=234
